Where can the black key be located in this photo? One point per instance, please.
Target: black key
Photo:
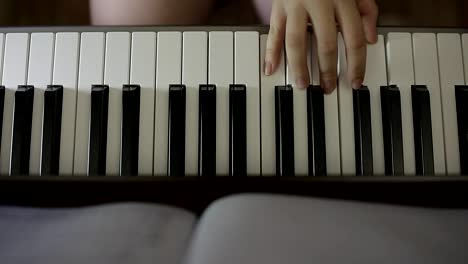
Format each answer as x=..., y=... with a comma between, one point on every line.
x=130, y=130
x=392, y=130
x=207, y=131
x=51, y=130
x=461, y=97
x=176, y=150
x=237, y=130
x=284, y=130
x=363, y=132
x=98, y=130
x=421, y=104
x=316, y=131
x=2, y=101
x=22, y=122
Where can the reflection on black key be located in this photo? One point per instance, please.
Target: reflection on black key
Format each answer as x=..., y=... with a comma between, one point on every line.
x=176, y=150
x=2, y=102
x=422, y=130
x=237, y=130
x=207, y=131
x=284, y=130
x=316, y=131
x=22, y=122
x=461, y=96
x=98, y=130
x=363, y=132
x=51, y=130
x=130, y=130
x=392, y=130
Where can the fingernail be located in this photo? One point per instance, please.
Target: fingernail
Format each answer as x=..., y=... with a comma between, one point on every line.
x=268, y=67
x=329, y=86
x=357, y=84
x=302, y=83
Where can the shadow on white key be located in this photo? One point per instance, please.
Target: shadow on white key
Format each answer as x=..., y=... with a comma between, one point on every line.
x=39, y=75
x=400, y=72
x=168, y=66
x=376, y=76
x=194, y=73
x=268, y=84
x=143, y=73
x=116, y=74
x=65, y=74
x=247, y=72
x=221, y=74
x=91, y=67
x=451, y=74
x=332, y=126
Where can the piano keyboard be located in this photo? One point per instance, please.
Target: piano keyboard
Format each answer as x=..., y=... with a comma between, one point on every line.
x=178, y=101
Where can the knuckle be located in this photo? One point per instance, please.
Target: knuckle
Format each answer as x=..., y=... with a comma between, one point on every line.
x=357, y=42
x=328, y=74
x=294, y=40
x=327, y=47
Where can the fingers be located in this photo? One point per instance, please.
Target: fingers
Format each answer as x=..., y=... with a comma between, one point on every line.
x=323, y=21
x=296, y=45
x=275, y=40
x=369, y=12
x=355, y=42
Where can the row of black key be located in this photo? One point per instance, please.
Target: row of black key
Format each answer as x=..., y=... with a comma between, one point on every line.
x=391, y=122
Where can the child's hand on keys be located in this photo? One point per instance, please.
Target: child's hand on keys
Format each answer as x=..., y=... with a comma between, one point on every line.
x=289, y=18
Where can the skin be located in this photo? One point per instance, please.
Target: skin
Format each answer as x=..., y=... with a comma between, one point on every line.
x=150, y=12
x=288, y=21
x=288, y=26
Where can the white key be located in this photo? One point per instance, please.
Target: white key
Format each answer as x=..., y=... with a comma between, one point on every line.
x=91, y=70
x=221, y=74
x=15, y=69
x=465, y=55
x=451, y=74
x=400, y=73
x=268, y=84
x=194, y=73
x=426, y=72
x=65, y=74
x=142, y=72
x=332, y=125
x=301, y=153
x=169, y=59
x=247, y=69
x=116, y=74
x=2, y=42
x=345, y=96
x=376, y=76
x=39, y=75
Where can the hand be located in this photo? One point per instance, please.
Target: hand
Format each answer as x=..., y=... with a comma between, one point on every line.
x=357, y=20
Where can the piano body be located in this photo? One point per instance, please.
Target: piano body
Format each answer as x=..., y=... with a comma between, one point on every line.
x=184, y=115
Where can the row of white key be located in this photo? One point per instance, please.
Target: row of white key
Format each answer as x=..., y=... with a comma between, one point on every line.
x=155, y=60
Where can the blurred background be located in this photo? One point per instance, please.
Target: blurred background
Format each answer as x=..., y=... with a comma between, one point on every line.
x=392, y=12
